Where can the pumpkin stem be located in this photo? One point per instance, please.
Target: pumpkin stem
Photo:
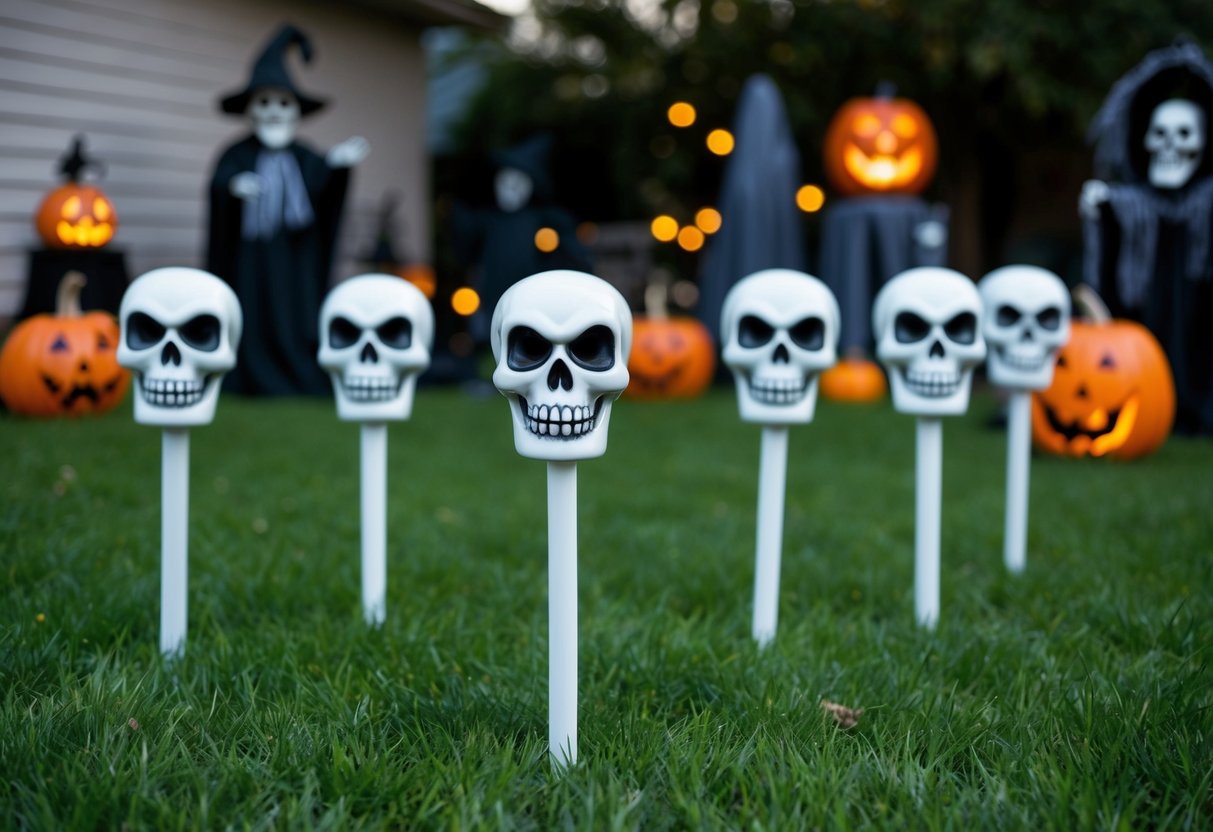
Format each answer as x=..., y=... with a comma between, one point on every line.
x=67, y=299
x=656, y=301
x=1090, y=304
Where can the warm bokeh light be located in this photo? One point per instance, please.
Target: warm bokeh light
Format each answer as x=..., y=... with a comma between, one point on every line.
x=690, y=238
x=720, y=142
x=587, y=232
x=810, y=198
x=664, y=228
x=546, y=240
x=708, y=220
x=681, y=114
x=465, y=301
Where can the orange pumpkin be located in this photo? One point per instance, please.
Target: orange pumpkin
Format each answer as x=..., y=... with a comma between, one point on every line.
x=76, y=215
x=880, y=145
x=64, y=364
x=672, y=358
x=853, y=380
x=1112, y=393
x=421, y=276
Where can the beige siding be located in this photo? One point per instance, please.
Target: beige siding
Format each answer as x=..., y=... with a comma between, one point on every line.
x=141, y=78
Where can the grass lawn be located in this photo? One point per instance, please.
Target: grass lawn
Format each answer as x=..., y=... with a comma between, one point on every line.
x=1076, y=696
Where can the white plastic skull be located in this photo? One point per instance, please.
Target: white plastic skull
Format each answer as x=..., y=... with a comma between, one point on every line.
x=274, y=113
x=561, y=340
x=927, y=323
x=1175, y=141
x=180, y=331
x=1025, y=320
x=781, y=331
x=376, y=333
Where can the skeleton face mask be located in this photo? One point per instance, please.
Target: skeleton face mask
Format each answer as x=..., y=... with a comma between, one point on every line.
x=927, y=323
x=781, y=330
x=513, y=189
x=274, y=113
x=1026, y=320
x=1175, y=141
x=180, y=330
x=376, y=332
x=561, y=340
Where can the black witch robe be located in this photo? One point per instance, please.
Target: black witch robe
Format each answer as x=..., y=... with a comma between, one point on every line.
x=280, y=280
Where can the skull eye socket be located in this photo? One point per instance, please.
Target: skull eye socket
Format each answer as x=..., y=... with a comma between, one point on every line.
x=908, y=328
x=594, y=349
x=754, y=332
x=1006, y=315
x=143, y=331
x=396, y=333
x=809, y=334
x=527, y=349
x=962, y=329
x=1049, y=318
x=1184, y=132
x=343, y=333
x=202, y=333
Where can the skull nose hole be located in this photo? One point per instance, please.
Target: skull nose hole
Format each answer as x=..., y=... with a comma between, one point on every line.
x=1028, y=336
x=1081, y=392
x=781, y=355
x=368, y=354
x=559, y=376
x=937, y=350
x=170, y=355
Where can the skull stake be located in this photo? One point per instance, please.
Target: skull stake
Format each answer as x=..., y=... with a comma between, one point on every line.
x=1175, y=141
x=1026, y=320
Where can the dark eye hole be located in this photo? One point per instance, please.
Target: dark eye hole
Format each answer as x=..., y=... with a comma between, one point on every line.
x=962, y=329
x=1107, y=362
x=202, y=332
x=1006, y=315
x=908, y=328
x=1061, y=360
x=103, y=343
x=142, y=331
x=1183, y=132
x=60, y=344
x=396, y=333
x=343, y=333
x=809, y=334
x=1049, y=318
x=527, y=349
x=754, y=332
x=594, y=349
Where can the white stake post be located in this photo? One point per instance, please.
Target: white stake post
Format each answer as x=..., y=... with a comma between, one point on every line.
x=927, y=499
x=562, y=613
x=1019, y=435
x=174, y=539
x=374, y=522
x=772, y=484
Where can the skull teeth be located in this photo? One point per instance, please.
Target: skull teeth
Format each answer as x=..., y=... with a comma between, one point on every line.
x=171, y=392
x=559, y=421
x=933, y=384
x=370, y=389
x=1022, y=362
x=787, y=391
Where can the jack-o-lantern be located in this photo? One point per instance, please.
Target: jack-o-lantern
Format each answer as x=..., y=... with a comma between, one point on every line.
x=672, y=357
x=64, y=364
x=1112, y=392
x=421, y=276
x=76, y=215
x=880, y=145
x=854, y=380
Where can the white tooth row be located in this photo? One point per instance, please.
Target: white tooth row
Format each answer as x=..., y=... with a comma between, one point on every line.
x=559, y=421
x=173, y=399
x=168, y=386
x=779, y=392
x=368, y=390
x=1023, y=362
x=933, y=384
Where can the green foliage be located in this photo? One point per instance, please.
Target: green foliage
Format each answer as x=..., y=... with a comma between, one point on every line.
x=1076, y=696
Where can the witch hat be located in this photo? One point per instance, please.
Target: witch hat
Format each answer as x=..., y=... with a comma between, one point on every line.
x=270, y=71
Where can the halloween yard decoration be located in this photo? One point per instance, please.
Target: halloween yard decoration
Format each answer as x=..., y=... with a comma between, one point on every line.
x=927, y=323
x=275, y=207
x=880, y=145
x=180, y=333
x=76, y=215
x=63, y=364
x=781, y=331
x=1026, y=319
x=1148, y=218
x=672, y=357
x=561, y=341
x=376, y=332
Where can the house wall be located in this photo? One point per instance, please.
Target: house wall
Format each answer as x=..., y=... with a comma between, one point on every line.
x=141, y=79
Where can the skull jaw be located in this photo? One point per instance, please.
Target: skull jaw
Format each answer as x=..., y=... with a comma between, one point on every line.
x=1008, y=368
x=929, y=400
x=560, y=448
x=786, y=405
x=155, y=406
x=1172, y=171
x=358, y=404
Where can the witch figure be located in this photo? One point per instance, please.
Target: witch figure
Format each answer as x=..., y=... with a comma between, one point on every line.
x=275, y=207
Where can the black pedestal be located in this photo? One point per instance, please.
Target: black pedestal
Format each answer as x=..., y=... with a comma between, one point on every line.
x=105, y=271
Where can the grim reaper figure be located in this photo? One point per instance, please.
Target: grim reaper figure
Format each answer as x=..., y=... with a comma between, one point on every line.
x=1148, y=219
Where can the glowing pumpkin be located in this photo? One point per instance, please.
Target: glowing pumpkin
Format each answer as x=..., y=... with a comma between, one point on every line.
x=853, y=380
x=421, y=276
x=880, y=145
x=64, y=364
x=672, y=357
x=75, y=215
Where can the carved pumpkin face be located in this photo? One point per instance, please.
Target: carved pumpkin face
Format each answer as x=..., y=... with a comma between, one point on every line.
x=76, y=216
x=672, y=358
x=853, y=380
x=880, y=146
x=1112, y=394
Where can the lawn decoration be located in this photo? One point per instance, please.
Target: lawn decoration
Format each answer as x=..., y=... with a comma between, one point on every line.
x=275, y=208
x=880, y=145
x=1026, y=320
x=376, y=332
x=561, y=341
x=76, y=215
x=854, y=380
x=1112, y=392
x=63, y=364
x=781, y=331
x=928, y=329
x=180, y=332
x=672, y=358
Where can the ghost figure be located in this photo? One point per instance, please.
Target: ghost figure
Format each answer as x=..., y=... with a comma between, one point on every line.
x=561, y=341
x=781, y=331
x=180, y=331
x=376, y=333
x=927, y=323
x=1175, y=141
x=1026, y=320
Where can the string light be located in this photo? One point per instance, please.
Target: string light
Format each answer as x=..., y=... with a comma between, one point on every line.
x=681, y=114
x=810, y=198
x=465, y=301
x=720, y=142
x=708, y=220
x=664, y=228
x=690, y=238
x=546, y=240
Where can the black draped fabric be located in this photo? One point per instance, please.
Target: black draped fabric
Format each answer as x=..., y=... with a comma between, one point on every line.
x=280, y=280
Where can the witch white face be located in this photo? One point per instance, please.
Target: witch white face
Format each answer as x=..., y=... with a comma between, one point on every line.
x=927, y=323
x=561, y=340
x=781, y=330
x=180, y=331
x=513, y=188
x=376, y=333
x=1175, y=141
x=1026, y=320
x=274, y=113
